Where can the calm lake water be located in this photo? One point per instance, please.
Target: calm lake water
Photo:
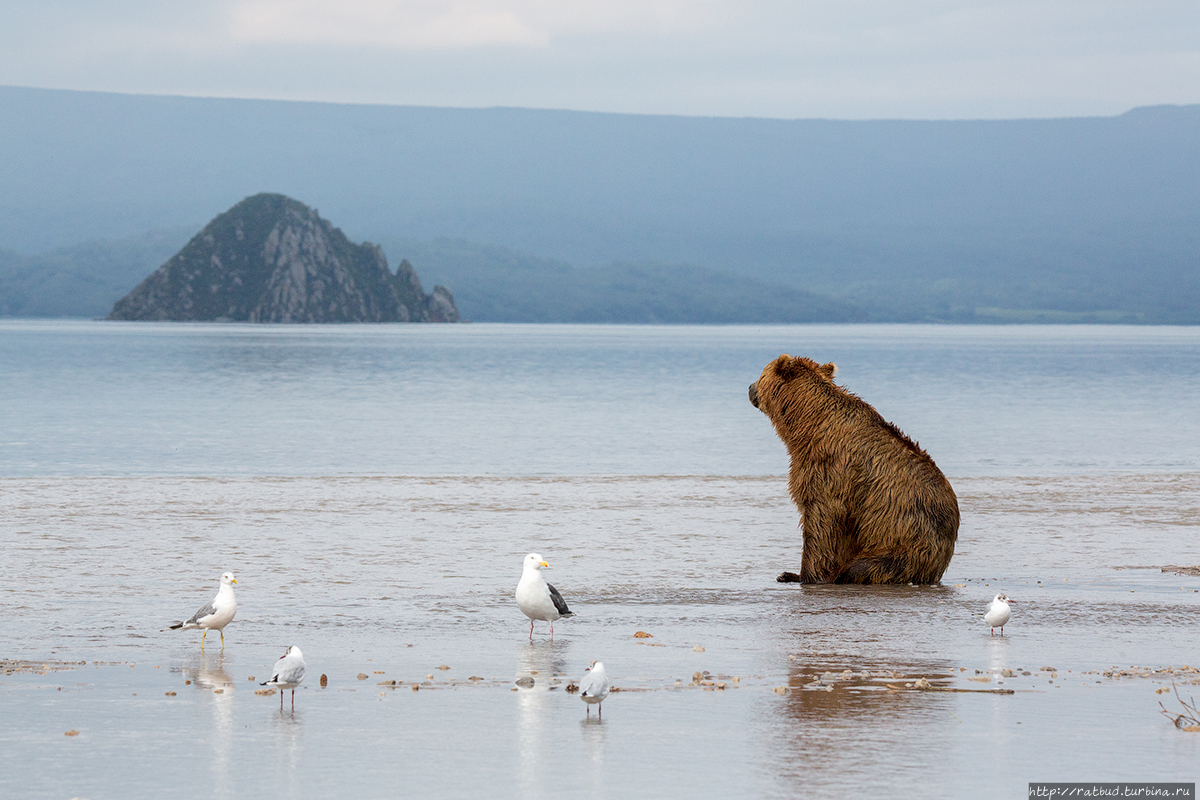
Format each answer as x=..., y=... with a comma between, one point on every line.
x=375, y=488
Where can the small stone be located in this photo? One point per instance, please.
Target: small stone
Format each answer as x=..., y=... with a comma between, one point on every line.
x=416, y=688
x=697, y=677
x=324, y=680
x=698, y=649
x=781, y=690
x=643, y=635
x=1049, y=669
x=720, y=684
x=187, y=683
x=249, y=677
x=71, y=732
x=474, y=678
x=170, y=694
x=525, y=682
x=386, y=683
x=1008, y=673
x=264, y=692
x=362, y=676
x=444, y=667
x=981, y=678
x=429, y=677
x=218, y=691
x=923, y=684
x=378, y=672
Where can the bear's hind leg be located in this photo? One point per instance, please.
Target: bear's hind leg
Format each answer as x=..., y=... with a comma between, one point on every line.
x=881, y=569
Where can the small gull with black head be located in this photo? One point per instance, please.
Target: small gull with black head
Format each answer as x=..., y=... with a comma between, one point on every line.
x=289, y=671
x=998, y=613
x=538, y=599
x=215, y=615
x=593, y=687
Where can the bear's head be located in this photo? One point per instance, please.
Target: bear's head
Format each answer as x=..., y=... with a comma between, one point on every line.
x=767, y=391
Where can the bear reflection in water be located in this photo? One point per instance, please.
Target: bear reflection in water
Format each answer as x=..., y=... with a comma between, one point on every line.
x=874, y=508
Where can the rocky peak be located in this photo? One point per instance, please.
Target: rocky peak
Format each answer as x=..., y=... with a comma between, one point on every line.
x=272, y=259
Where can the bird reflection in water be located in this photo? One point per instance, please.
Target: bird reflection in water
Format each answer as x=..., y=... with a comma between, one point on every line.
x=541, y=674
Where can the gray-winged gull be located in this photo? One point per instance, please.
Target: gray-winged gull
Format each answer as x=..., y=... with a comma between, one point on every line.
x=998, y=613
x=593, y=687
x=538, y=599
x=215, y=615
x=289, y=671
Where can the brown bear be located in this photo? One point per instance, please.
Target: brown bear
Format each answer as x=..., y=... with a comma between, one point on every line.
x=874, y=508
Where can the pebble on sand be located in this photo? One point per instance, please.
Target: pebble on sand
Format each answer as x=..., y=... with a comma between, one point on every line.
x=362, y=676
x=250, y=677
x=264, y=692
x=643, y=635
x=444, y=667
x=698, y=649
x=170, y=694
x=324, y=680
x=71, y=732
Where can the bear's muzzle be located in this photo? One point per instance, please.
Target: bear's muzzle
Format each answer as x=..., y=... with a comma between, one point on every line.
x=754, y=394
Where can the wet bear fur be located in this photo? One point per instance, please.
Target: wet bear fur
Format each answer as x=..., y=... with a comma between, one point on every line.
x=874, y=508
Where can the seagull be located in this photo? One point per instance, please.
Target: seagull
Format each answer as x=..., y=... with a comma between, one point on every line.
x=593, y=687
x=538, y=599
x=215, y=615
x=289, y=671
x=998, y=613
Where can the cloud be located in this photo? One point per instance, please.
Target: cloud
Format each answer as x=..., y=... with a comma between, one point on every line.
x=776, y=58
x=438, y=24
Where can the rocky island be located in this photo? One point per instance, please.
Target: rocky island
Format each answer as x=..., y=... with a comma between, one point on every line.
x=273, y=259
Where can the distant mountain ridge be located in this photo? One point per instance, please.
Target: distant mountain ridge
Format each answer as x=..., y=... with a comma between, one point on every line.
x=1073, y=219
x=273, y=259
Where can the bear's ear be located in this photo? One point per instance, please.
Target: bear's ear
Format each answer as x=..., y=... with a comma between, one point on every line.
x=829, y=369
x=787, y=367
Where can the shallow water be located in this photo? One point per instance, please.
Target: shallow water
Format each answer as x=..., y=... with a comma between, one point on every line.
x=108, y=535
x=338, y=567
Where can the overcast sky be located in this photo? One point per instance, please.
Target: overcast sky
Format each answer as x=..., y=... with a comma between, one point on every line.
x=848, y=59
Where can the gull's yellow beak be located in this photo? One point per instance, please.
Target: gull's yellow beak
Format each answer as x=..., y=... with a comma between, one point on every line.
x=543, y=563
x=233, y=580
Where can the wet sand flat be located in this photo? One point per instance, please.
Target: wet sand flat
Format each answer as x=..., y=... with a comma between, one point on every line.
x=392, y=578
